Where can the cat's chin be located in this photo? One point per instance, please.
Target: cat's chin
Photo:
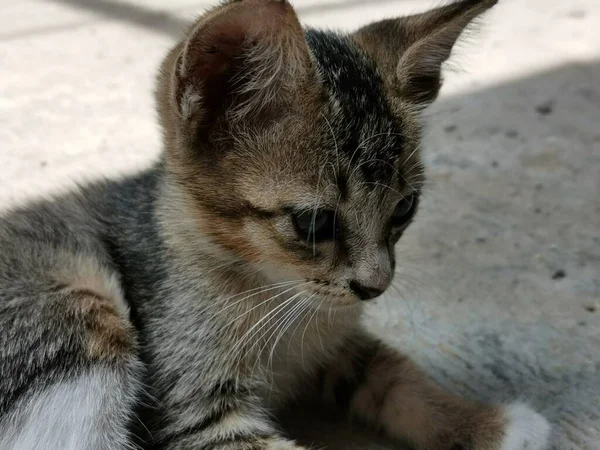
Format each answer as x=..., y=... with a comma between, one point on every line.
x=346, y=307
x=335, y=302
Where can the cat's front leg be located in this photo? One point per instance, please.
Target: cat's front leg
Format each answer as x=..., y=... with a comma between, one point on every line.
x=237, y=432
x=255, y=443
x=225, y=416
x=385, y=389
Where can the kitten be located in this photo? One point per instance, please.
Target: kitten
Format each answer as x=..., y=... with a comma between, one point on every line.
x=196, y=298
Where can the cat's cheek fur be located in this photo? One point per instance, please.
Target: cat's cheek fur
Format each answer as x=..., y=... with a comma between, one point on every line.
x=526, y=428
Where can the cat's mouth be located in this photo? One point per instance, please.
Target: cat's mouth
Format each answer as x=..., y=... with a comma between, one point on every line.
x=349, y=293
x=328, y=294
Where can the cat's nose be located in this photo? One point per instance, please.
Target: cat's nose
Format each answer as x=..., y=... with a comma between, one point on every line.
x=365, y=292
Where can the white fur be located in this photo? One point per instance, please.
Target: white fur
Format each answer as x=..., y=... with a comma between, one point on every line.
x=526, y=430
x=79, y=414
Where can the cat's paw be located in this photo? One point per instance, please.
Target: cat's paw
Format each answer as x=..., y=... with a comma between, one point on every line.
x=282, y=444
x=526, y=429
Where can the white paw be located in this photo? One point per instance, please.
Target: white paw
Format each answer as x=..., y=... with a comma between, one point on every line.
x=526, y=430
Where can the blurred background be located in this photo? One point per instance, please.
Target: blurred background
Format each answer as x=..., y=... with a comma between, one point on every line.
x=498, y=291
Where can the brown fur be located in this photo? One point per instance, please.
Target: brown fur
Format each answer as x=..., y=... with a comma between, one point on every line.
x=409, y=402
x=109, y=335
x=94, y=298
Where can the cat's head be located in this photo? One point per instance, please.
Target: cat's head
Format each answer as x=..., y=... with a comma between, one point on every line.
x=298, y=150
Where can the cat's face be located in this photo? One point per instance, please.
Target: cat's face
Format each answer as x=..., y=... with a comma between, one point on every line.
x=300, y=150
x=325, y=206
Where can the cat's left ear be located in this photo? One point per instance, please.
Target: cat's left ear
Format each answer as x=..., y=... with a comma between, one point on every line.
x=410, y=51
x=245, y=61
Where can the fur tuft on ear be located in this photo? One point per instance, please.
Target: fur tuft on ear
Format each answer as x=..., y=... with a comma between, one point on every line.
x=410, y=51
x=240, y=59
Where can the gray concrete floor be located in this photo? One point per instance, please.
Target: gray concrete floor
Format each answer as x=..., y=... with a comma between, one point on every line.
x=500, y=275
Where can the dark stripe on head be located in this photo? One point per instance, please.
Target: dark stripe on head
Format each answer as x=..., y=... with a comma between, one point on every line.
x=366, y=131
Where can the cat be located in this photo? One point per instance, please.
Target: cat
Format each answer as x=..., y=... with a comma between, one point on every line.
x=179, y=308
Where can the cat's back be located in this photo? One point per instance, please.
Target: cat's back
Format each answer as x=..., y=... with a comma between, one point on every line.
x=85, y=220
x=70, y=239
x=67, y=240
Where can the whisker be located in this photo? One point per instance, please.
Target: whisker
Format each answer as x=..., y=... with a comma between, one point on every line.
x=276, y=325
x=364, y=141
x=376, y=183
x=417, y=148
x=317, y=324
x=308, y=302
x=296, y=313
x=263, y=290
x=260, y=324
x=268, y=300
x=304, y=333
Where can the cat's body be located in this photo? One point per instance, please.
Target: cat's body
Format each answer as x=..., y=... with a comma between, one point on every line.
x=187, y=304
x=115, y=258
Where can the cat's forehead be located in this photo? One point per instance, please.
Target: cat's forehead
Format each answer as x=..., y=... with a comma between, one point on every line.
x=365, y=131
x=353, y=150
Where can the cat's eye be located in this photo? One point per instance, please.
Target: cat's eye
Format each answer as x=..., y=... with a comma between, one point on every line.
x=404, y=211
x=314, y=226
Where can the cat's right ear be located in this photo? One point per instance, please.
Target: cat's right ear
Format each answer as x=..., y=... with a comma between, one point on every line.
x=409, y=51
x=242, y=62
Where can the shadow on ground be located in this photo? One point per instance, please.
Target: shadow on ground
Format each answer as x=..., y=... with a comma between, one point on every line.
x=168, y=23
x=154, y=20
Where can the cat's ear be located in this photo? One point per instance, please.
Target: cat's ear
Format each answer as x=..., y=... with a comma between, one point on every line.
x=410, y=51
x=241, y=61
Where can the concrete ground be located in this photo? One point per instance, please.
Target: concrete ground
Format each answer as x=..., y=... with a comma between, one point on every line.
x=500, y=275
